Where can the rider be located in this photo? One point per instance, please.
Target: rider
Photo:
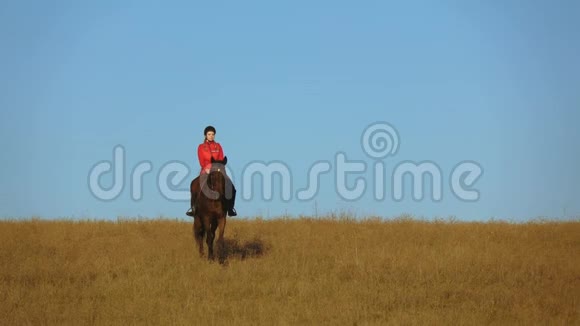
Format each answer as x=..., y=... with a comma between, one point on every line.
x=205, y=151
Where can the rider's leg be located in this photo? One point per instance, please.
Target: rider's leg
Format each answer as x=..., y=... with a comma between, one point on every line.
x=231, y=197
x=194, y=190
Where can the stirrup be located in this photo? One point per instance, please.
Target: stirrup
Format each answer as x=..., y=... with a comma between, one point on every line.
x=190, y=212
x=232, y=212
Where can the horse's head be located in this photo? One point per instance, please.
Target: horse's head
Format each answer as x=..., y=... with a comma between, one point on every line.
x=216, y=179
x=219, y=165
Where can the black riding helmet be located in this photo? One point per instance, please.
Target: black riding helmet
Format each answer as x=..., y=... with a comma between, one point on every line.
x=208, y=129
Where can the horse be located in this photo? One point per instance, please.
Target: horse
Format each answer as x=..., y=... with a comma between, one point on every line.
x=211, y=208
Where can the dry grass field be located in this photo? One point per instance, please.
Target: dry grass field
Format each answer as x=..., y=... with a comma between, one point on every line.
x=290, y=271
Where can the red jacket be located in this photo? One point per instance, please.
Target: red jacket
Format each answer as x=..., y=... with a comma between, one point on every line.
x=205, y=151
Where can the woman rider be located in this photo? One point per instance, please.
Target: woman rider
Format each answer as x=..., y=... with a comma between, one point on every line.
x=205, y=151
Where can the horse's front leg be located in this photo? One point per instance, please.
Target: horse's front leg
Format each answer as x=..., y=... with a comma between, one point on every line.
x=198, y=234
x=220, y=241
x=210, y=237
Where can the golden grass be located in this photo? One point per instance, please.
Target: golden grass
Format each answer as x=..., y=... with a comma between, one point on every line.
x=290, y=271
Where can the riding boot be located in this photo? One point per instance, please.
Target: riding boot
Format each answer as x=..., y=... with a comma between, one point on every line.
x=194, y=188
x=232, y=202
x=191, y=211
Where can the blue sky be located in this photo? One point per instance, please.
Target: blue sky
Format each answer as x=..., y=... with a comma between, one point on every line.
x=495, y=82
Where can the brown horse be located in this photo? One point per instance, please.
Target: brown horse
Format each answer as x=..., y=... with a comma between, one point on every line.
x=211, y=207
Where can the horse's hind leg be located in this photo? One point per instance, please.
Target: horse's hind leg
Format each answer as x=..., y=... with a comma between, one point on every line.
x=198, y=234
x=209, y=239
